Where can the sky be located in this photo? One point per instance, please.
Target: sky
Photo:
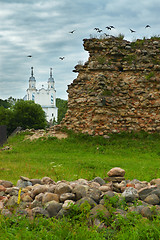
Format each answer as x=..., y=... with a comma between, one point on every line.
x=41, y=28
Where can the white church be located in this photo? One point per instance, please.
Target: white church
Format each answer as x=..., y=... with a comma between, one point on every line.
x=45, y=97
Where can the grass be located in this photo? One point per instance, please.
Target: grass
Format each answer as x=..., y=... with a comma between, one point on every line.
x=82, y=156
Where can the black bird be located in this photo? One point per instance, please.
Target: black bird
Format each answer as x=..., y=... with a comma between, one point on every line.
x=96, y=29
x=147, y=26
x=109, y=28
x=61, y=58
x=29, y=56
x=72, y=31
x=112, y=27
x=132, y=31
x=99, y=30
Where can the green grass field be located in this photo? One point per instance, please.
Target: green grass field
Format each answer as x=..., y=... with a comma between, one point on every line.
x=80, y=156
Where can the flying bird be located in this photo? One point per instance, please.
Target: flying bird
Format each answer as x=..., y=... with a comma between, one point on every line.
x=112, y=27
x=72, y=31
x=99, y=30
x=147, y=26
x=132, y=31
x=61, y=58
x=29, y=56
x=109, y=28
x=96, y=29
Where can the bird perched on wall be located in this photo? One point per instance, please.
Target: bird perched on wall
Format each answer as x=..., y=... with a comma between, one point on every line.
x=29, y=56
x=147, y=26
x=132, y=31
x=72, y=31
x=61, y=58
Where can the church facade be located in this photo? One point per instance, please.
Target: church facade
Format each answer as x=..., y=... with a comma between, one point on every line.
x=45, y=97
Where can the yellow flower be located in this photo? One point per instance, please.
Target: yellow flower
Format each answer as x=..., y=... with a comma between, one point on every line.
x=19, y=196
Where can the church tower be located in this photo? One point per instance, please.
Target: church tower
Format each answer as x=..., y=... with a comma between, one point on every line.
x=32, y=87
x=45, y=97
x=50, y=80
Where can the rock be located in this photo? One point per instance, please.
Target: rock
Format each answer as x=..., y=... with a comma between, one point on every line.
x=95, y=194
x=99, y=180
x=39, y=211
x=23, y=184
x=6, y=184
x=47, y=197
x=6, y=213
x=98, y=223
x=63, y=188
x=38, y=189
x=12, y=191
x=130, y=194
x=144, y=192
x=80, y=191
x=39, y=197
x=89, y=200
x=35, y=181
x=51, y=188
x=116, y=171
x=146, y=212
x=152, y=199
x=53, y=208
x=2, y=188
x=156, y=191
x=67, y=204
x=155, y=182
x=12, y=201
x=94, y=185
x=114, y=179
x=26, y=197
x=99, y=211
x=106, y=187
x=47, y=180
x=67, y=196
x=1, y=205
x=35, y=204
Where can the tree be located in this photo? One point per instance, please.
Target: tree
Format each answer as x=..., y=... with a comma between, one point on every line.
x=28, y=114
x=62, y=106
x=4, y=103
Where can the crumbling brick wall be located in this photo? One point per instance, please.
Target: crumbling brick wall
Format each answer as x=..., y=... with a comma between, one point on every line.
x=117, y=89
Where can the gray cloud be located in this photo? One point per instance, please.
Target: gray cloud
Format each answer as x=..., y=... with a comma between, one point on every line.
x=41, y=28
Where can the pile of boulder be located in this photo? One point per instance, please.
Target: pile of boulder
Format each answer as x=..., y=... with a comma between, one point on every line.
x=45, y=197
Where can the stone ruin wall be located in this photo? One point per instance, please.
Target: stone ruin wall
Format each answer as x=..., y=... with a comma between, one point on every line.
x=117, y=89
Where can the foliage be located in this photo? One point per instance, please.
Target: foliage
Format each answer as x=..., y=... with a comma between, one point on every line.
x=25, y=114
x=62, y=108
x=101, y=59
x=150, y=75
x=4, y=103
x=120, y=36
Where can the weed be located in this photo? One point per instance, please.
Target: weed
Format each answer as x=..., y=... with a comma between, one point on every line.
x=150, y=75
x=101, y=59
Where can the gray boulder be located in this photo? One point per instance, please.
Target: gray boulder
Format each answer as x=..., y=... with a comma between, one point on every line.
x=130, y=194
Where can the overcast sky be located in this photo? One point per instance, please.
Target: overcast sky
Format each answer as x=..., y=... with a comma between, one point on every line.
x=41, y=28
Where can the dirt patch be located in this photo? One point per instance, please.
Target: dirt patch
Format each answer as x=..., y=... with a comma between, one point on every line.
x=42, y=133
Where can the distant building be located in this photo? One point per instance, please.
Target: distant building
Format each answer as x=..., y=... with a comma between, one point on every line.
x=45, y=97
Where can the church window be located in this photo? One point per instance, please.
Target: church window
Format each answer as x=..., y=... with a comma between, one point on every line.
x=51, y=98
x=33, y=96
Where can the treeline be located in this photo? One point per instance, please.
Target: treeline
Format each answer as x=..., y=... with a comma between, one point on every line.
x=26, y=114
x=62, y=106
